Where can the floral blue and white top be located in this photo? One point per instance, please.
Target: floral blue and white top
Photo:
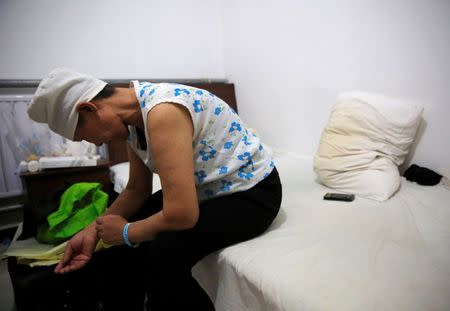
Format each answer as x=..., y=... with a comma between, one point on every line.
x=227, y=156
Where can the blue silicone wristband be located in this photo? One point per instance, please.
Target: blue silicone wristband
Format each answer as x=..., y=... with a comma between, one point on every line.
x=125, y=236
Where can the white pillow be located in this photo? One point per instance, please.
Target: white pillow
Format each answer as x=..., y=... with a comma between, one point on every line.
x=120, y=174
x=367, y=137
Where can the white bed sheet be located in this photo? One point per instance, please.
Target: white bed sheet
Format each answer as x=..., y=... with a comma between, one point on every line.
x=326, y=255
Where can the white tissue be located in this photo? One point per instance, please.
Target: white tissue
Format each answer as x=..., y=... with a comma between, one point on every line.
x=72, y=161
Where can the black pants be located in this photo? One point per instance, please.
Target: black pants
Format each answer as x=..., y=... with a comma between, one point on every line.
x=163, y=265
x=118, y=278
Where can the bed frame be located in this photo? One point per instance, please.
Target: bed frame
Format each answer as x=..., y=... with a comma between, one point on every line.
x=117, y=149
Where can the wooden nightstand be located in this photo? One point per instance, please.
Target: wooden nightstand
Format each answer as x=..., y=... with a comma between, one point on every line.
x=38, y=184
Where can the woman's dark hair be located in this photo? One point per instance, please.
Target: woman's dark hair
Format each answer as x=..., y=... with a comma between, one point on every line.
x=106, y=92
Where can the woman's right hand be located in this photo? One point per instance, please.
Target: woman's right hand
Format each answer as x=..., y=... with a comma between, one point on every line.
x=78, y=251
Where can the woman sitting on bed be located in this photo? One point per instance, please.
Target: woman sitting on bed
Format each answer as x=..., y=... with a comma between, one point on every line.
x=219, y=183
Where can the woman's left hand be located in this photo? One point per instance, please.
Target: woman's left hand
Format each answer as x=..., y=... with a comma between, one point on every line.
x=110, y=228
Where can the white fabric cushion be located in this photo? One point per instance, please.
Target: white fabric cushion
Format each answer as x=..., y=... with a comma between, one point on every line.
x=120, y=173
x=367, y=137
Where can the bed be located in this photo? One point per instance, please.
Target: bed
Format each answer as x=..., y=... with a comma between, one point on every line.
x=328, y=255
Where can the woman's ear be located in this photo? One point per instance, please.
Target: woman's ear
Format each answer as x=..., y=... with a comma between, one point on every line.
x=86, y=106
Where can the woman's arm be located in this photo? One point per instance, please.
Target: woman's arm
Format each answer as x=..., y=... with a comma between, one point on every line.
x=170, y=131
x=138, y=189
x=80, y=248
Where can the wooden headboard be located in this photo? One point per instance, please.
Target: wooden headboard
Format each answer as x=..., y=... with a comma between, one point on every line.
x=117, y=149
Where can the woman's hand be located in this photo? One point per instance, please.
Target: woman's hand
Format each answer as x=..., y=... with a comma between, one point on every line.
x=78, y=251
x=110, y=228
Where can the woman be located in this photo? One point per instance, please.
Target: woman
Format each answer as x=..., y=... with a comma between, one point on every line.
x=219, y=183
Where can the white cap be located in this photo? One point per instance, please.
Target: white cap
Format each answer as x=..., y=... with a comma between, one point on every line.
x=56, y=97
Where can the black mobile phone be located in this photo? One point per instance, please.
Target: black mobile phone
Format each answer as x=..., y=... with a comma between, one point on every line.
x=339, y=197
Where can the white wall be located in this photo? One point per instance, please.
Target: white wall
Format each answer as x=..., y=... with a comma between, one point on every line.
x=169, y=39
x=289, y=60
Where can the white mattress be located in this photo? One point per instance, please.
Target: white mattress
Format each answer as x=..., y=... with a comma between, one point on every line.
x=325, y=255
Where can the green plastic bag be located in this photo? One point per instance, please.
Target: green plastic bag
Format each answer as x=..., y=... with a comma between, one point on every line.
x=79, y=206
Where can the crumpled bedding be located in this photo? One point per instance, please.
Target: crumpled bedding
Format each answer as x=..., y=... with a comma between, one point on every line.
x=327, y=255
